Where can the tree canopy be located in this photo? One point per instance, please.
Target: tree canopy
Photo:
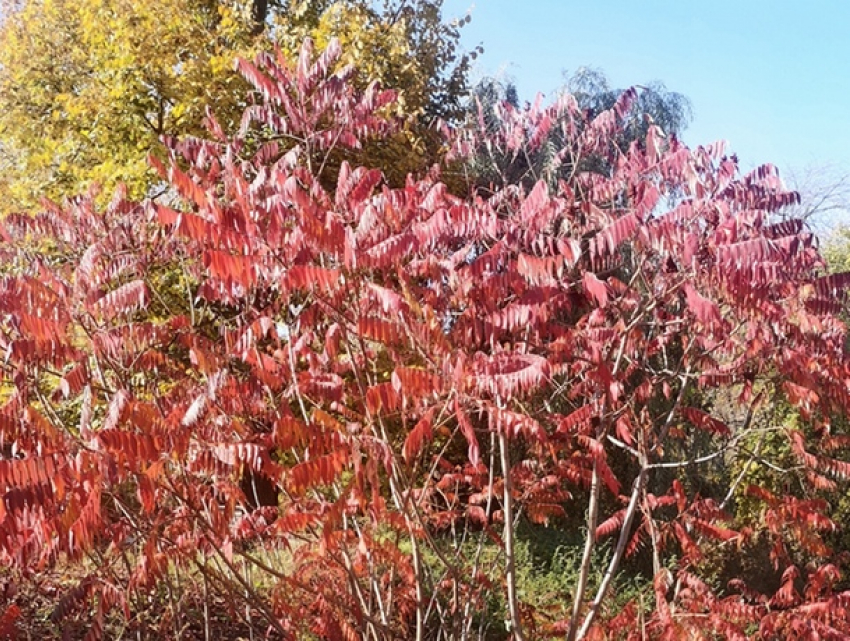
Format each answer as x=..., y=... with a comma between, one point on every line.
x=589, y=88
x=91, y=87
x=655, y=104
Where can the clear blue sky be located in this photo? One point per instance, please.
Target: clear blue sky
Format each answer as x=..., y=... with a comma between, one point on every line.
x=771, y=77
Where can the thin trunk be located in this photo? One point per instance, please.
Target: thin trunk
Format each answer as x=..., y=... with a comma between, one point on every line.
x=207, y=632
x=420, y=596
x=510, y=571
x=587, y=557
x=614, y=565
x=467, y=619
x=653, y=537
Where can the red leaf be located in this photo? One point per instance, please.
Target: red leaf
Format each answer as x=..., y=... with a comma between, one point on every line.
x=611, y=524
x=706, y=311
x=597, y=290
x=419, y=436
x=468, y=433
x=382, y=398
x=704, y=421
x=300, y=277
x=124, y=300
x=380, y=330
x=576, y=421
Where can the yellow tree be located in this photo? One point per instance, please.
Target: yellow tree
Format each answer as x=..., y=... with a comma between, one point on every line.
x=91, y=87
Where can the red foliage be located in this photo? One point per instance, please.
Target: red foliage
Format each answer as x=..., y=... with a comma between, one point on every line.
x=355, y=348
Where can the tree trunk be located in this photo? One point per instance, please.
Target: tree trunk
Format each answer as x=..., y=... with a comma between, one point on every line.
x=259, y=13
x=587, y=557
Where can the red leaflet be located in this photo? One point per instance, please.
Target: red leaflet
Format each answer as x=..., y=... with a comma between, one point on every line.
x=705, y=421
x=419, y=436
x=705, y=311
x=382, y=398
x=124, y=300
x=469, y=434
x=596, y=289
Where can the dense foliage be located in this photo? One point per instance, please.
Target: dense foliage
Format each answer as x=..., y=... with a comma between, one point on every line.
x=342, y=409
x=491, y=167
x=91, y=87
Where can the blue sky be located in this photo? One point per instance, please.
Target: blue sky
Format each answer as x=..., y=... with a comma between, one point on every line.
x=771, y=77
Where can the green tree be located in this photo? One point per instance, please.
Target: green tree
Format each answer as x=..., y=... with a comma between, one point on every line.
x=837, y=250
x=655, y=104
x=406, y=45
x=587, y=90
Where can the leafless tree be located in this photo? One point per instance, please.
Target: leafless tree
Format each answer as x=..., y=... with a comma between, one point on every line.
x=824, y=196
